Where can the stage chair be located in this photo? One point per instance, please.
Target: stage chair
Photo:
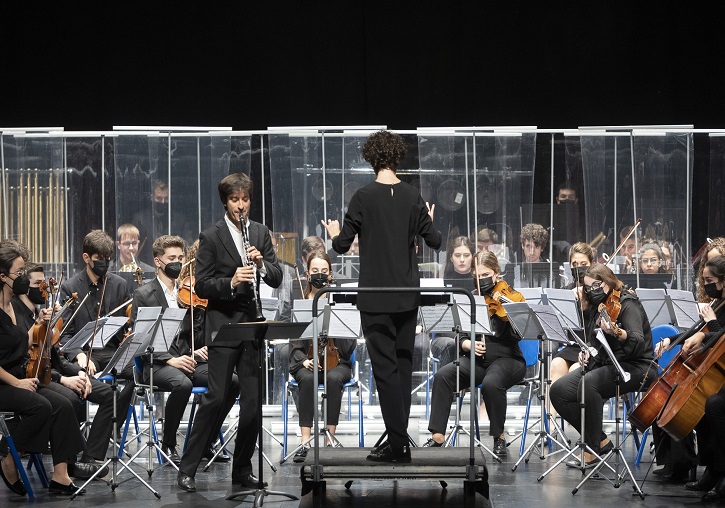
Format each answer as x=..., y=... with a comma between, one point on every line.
x=35, y=458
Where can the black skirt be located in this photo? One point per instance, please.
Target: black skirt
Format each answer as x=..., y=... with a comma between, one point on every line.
x=570, y=353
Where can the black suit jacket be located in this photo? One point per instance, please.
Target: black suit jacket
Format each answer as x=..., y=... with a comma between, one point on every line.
x=116, y=294
x=216, y=261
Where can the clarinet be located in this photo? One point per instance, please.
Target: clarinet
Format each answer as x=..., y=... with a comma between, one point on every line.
x=258, y=315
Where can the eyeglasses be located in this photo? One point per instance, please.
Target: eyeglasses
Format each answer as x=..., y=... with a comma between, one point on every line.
x=596, y=285
x=650, y=261
x=19, y=273
x=130, y=244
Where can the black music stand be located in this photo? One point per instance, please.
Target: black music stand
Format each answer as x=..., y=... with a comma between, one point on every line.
x=683, y=308
x=233, y=334
x=655, y=306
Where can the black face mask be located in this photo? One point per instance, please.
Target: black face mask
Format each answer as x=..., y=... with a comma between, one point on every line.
x=161, y=208
x=173, y=270
x=567, y=202
x=21, y=284
x=319, y=280
x=100, y=267
x=36, y=296
x=712, y=291
x=486, y=284
x=597, y=295
x=577, y=272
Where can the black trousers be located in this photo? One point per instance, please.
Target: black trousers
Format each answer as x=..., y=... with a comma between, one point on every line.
x=680, y=455
x=599, y=386
x=44, y=415
x=495, y=377
x=711, y=434
x=390, y=339
x=216, y=403
x=179, y=385
x=336, y=378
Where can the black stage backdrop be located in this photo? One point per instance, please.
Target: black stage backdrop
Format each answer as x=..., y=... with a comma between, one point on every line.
x=92, y=65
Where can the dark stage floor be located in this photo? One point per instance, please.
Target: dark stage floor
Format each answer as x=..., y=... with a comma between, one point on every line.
x=519, y=488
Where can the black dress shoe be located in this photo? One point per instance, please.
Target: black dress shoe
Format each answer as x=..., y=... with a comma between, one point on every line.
x=432, y=444
x=301, y=455
x=716, y=494
x=85, y=469
x=707, y=482
x=171, y=452
x=603, y=450
x=186, y=482
x=387, y=454
x=379, y=447
x=499, y=447
x=17, y=487
x=63, y=490
x=221, y=458
x=249, y=481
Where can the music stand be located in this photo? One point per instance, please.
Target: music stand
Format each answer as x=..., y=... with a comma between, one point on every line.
x=233, y=334
x=655, y=306
x=81, y=339
x=683, y=308
x=542, y=323
x=110, y=327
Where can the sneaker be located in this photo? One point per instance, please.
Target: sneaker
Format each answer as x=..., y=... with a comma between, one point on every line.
x=432, y=444
x=301, y=455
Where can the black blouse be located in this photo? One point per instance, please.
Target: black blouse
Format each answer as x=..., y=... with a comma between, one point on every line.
x=300, y=348
x=13, y=344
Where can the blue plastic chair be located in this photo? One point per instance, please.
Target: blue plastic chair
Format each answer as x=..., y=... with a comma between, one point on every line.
x=196, y=393
x=353, y=383
x=658, y=333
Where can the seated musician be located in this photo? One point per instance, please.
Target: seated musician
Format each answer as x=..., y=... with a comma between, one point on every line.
x=716, y=247
x=128, y=245
x=581, y=256
x=46, y=414
x=499, y=361
x=69, y=380
x=651, y=259
x=629, y=336
x=173, y=372
x=534, y=239
x=301, y=365
x=711, y=428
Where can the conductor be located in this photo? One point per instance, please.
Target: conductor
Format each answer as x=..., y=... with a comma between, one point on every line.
x=387, y=215
x=222, y=278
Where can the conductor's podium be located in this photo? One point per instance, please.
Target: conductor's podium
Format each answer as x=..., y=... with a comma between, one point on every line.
x=427, y=463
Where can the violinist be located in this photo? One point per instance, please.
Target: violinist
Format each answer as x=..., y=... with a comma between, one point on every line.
x=499, y=361
x=46, y=415
x=628, y=334
x=69, y=380
x=711, y=428
x=173, y=373
x=301, y=364
x=714, y=248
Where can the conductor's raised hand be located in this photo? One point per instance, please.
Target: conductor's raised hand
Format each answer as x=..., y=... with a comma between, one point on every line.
x=431, y=210
x=332, y=227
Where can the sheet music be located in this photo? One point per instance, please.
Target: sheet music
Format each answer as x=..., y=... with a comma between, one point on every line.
x=523, y=320
x=269, y=307
x=437, y=318
x=655, y=306
x=109, y=329
x=302, y=311
x=684, y=308
x=80, y=339
x=564, y=301
x=603, y=341
x=549, y=319
x=167, y=329
x=145, y=319
x=532, y=295
x=344, y=322
x=123, y=357
x=483, y=323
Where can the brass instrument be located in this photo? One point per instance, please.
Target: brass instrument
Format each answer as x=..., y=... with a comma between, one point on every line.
x=129, y=267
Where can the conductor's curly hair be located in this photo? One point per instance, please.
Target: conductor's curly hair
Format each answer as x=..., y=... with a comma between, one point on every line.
x=384, y=149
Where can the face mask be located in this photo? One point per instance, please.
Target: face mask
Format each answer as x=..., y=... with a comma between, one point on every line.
x=319, y=280
x=161, y=208
x=100, y=267
x=567, y=202
x=578, y=273
x=173, y=270
x=36, y=296
x=711, y=290
x=597, y=295
x=21, y=285
x=486, y=284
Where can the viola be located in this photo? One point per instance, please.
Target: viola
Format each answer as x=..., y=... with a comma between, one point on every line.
x=610, y=309
x=187, y=295
x=506, y=294
x=39, y=363
x=333, y=355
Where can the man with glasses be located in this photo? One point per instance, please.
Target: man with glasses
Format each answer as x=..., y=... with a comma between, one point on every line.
x=128, y=245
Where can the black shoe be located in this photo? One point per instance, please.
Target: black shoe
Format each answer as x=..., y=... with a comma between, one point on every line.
x=606, y=449
x=576, y=464
x=707, y=482
x=17, y=487
x=665, y=471
x=499, y=447
x=379, y=447
x=716, y=494
x=171, y=452
x=221, y=458
x=432, y=444
x=63, y=490
x=679, y=473
x=185, y=482
x=386, y=454
x=249, y=481
x=85, y=469
x=301, y=455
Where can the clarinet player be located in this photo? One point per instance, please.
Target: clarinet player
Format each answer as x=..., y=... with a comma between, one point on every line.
x=228, y=275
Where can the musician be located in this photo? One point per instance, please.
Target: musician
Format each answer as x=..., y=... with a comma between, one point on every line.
x=153, y=220
x=460, y=258
x=581, y=256
x=228, y=284
x=651, y=259
x=499, y=363
x=301, y=364
x=386, y=215
x=714, y=248
x=127, y=243
x=69, y=380
x=711, y=428
x=46, y=415
x=631, y=342
x=534, y=239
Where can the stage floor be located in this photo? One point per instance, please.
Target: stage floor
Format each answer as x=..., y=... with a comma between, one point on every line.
x=507, y=488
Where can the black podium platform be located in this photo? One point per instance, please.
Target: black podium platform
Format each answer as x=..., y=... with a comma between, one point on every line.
x=427, y=463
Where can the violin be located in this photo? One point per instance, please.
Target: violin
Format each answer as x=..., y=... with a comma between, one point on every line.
x=505, y=294
x=188, y=297
x=609, y=311
x=333, y=355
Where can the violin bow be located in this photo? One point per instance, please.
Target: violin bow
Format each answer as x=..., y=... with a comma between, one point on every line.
x=98, y=316
x=621, y=244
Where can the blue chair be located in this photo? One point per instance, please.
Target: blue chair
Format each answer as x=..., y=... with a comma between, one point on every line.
x=353, y=383
x=196, y=393
x=658, y=333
